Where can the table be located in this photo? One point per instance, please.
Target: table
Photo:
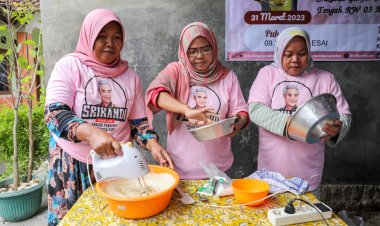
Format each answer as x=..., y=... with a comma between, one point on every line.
x=86, y=211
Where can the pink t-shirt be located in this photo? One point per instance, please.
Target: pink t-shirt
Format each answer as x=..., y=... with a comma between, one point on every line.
x=107, y=103
x=226, y=98
x=285, y=93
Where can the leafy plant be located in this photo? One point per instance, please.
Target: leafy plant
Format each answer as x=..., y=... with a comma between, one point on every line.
x=40, y=141
x=23, y=63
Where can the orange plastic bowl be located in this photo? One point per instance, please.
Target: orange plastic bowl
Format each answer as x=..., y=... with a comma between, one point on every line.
x=141, y=207
x=248, y=190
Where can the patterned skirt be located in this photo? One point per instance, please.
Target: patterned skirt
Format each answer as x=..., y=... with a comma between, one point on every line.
x=68, y=178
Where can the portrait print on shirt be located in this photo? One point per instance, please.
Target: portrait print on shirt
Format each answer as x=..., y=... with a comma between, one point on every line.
x=105, y=92
x=289, y=95
x=99, y=108
x=203, y=96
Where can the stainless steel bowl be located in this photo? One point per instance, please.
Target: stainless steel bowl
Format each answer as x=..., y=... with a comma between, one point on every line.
x=214, y=130
x=307, y=122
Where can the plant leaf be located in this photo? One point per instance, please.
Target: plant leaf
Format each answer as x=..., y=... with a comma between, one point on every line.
x=40, y=72
x=9, y=52
x=32, y=53
x=26, y=79
x=29, y=42
x=22, y=61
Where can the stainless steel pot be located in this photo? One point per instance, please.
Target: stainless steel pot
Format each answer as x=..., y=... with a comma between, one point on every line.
x=307, y=122
x=212, y=131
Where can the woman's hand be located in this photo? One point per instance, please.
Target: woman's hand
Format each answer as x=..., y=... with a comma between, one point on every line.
x=101, y=141
x=195, y=116
x=332, y=131
x=200, y=117
x=159, y=153
x=240, y=122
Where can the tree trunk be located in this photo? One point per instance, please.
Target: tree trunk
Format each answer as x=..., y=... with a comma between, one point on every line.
x=31, y=141
x=16, y=181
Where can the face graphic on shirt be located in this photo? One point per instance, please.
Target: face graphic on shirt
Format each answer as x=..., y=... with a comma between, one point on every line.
x=105, y=103
x=288, y=96
x=105, y=93
x=291, y=97
x=200, y=98
x=204, y=96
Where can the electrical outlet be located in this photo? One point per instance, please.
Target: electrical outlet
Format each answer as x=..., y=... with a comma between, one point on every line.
x=304, y=213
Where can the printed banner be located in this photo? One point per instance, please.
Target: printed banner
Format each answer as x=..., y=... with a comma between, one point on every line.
x=340, y=30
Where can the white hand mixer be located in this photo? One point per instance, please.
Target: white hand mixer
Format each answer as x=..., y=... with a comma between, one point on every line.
x=130, y=165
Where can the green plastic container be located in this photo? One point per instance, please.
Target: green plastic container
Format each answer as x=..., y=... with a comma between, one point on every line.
x=20, y=205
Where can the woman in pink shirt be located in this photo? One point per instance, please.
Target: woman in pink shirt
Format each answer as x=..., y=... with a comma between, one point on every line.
x=194, y=91
x=93, y=101
x=293, y=70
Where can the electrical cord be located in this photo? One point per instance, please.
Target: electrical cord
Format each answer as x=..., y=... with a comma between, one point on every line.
x=248, y=203
x=89, y=178
x=289, y=208
x=88, y=170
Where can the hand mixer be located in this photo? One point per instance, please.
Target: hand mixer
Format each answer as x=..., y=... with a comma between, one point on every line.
x=130, y=165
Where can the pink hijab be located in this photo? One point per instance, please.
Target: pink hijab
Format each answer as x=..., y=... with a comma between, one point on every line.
x=282, y=41
x=177, y=77
x=92, y=25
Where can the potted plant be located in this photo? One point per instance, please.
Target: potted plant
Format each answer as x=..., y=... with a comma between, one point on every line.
x=21, y=62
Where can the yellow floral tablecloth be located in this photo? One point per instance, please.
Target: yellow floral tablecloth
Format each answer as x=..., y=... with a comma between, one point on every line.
x=86, y=211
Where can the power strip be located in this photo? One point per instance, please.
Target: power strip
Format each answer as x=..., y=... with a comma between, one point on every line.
x=304, y=213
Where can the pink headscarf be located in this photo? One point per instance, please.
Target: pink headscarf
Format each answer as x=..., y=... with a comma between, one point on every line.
x=177, y=77
x=215, y=71
x=282, y=41
x=92, y=25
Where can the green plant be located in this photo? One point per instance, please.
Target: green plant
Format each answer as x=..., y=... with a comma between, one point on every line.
x=22, y=63
x=40, y=141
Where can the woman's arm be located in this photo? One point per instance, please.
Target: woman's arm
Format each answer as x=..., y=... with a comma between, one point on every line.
x=169, y=103
x=343, y=128
x=237, y=106
x=241, y=122
x=166, y=101
x=148, y=139
x=63, y=123
x=276, y=122
x=265, y=117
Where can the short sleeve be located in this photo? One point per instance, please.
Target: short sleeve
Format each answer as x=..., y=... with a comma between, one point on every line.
x=237, y=102
x=62, y=83
x=260, y=89
x=138, y=107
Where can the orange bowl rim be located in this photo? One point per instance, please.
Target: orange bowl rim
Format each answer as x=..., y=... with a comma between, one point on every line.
x=254, y=180
x=176, y=181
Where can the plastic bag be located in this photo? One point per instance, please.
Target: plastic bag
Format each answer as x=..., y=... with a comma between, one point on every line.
x=223, y=185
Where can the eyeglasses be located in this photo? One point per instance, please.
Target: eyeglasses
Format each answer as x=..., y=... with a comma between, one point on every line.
x=193, y=52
